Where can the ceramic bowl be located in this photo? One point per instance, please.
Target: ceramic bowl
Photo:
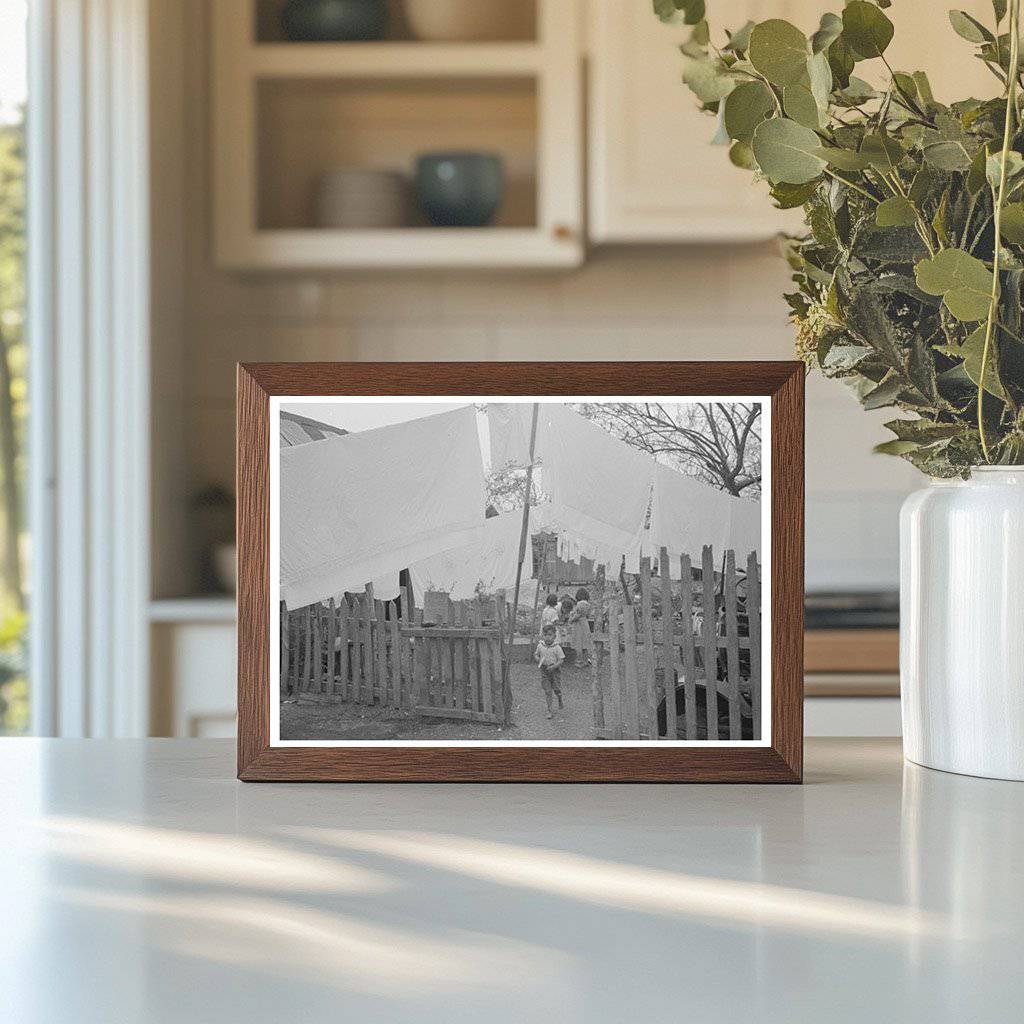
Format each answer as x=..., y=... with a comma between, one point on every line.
x=470, y=20
x=333, y=21
x=359, y=197
x=460, y=189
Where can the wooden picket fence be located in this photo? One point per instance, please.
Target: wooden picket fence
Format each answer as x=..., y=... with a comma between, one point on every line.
x=457, y=666
x=361, y=650
x=661, y=663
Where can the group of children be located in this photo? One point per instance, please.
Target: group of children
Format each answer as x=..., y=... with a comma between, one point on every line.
x=564, y=622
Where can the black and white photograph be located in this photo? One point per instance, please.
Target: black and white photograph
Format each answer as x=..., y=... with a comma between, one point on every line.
x=449, y=571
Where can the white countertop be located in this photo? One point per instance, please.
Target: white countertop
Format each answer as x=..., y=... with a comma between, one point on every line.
x=140, y=882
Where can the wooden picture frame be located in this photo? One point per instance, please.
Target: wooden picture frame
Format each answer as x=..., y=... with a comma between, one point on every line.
x=779, y=759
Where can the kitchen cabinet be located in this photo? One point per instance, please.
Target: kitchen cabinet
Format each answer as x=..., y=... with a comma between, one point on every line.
x=654, y=177
x=286, y=114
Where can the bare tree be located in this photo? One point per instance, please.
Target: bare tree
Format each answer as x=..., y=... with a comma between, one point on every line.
x=505, y=489
x=717, y=442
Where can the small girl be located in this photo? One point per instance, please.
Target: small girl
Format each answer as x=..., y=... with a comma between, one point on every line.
x=579, y=619
x=549, y=615
x=549, y=657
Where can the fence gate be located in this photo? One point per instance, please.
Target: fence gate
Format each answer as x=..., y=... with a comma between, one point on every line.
x=363, y=651
x=684, y=661
x=457, y=665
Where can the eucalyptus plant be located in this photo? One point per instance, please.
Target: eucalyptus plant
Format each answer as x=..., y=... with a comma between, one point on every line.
x=910, y=277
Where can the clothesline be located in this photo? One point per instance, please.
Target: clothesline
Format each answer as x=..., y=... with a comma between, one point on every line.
x=365, y=506
x=609, y=500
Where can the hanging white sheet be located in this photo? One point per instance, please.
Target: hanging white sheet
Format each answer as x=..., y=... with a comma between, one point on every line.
x=600, y=487
x=745, y=529
x=608, y=500
x=485, y=563
x=509, y=426
x=366, y=505
x=583, y=536
x=689, y=514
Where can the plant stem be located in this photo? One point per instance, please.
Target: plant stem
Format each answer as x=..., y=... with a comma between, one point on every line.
x=853, y=185
x=1011, y=108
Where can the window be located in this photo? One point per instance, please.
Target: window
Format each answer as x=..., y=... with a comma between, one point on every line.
x=14, y=690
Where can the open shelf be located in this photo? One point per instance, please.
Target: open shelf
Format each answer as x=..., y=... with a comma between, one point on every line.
x=392, y=60
x=520, y=22
x=410, y=248
x=308, y=127
x=286, y=114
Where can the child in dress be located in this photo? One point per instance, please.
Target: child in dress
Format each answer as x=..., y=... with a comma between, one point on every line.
x=579, y=619
x=549, y=614
x=549, y=657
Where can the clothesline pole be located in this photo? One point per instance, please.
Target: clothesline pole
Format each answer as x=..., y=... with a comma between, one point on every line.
x=506, y=682
x=541, y=580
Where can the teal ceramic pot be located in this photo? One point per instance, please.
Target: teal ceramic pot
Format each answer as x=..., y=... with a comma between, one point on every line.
x=460, y=189
x=334, y=21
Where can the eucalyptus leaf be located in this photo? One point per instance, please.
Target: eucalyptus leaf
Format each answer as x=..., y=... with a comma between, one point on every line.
x=963, y=281
x=883, y=395
x=745, y=108
x=707, y=78
x=947, y=156
x=779, y=51
x=829, y=30
x=922, y=185
x=844, y=159
x=843, y=358
x=924, y=87
x=819, y=76
x=841, y=62
x=922, y=431
x=895, y=212
x=857, y=91
x=741, y=155
x=969, y=28
x=721, y=136
x=866, y=29
x=993, y=167
x=883, y=152
x=701, y=34
x=895, y=447
x=788, y=196
x=739, y=41
x=1012, y=223
x=976, y=176
x=689, y=12
x=905, y=84
x=787, y=152
x=972, y=351
x=801, y=106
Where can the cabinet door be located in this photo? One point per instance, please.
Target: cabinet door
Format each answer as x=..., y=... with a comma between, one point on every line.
x=654, y=176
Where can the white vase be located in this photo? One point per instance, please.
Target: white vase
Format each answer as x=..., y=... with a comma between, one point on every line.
x=962, y=624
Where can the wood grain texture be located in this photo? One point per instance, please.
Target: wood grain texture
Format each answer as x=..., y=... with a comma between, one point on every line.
x=781, y=762
x=852, y=650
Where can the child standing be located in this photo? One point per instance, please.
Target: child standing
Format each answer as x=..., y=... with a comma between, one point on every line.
x=549, y=614
x=549, y=656
x=579, y=618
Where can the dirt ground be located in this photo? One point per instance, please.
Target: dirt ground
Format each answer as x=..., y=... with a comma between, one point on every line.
x=313, y=717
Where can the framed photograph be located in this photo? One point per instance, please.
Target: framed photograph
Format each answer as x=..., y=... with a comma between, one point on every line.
x=564, y=572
